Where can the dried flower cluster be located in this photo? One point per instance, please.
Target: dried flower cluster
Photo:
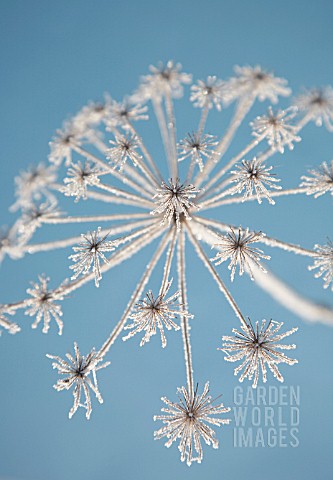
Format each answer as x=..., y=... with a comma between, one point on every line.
x=100, y=155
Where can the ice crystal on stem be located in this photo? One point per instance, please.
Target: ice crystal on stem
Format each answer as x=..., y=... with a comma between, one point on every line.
x=196, y=146
x=253, y=177
x=277, y=129
x=257, y=347
x=173, y=199
x=237, y=247
x=317, y=105
x=34, y=217
x=321, y=181
x=155, y=312
x=89, y=252
x=42, y=304
x=324, y=262
x=189, y=422
x=77, y=370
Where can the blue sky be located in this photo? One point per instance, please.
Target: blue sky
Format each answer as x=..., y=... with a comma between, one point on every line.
x=56, y=56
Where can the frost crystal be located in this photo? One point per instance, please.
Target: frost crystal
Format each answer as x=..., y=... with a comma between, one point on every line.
x=42, y=305
x=317, y=104
x=34, y=218
x=324, y=262
x=89, y=252
x=77, y=370
x=257, y=82
x=258, y=347
x=188, y=420
x=252, y=176
x=79, y=178
x=208, y=94
x=125, y=147
x=237, y=247
x=321, y=181
x=174, y=199
x=196, y=146
x=152, y=313
x=277, y=129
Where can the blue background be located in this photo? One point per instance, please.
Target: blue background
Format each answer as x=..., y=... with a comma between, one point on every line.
x=55, y=56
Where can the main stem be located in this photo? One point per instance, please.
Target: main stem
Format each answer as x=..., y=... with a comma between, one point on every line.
x=184, y=319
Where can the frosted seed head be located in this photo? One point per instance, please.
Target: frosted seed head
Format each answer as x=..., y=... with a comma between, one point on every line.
x=80, y=373
x=257, y=347
x=189, y=422
x=253, y=177
x=320, y=182
x=174, y=199
x=317, y=105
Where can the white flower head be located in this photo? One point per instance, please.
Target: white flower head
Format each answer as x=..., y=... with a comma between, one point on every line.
x=317, y=104
x=196, y=146
x=80, y=177
x=209, y=94
x=256, y=82
x=277, y=129
x=253, y=177
x=173, y=200
x=89, y=252
x=42, y=304
x=257, y=347
x=124, y=147
x=93, y=114
x=77, y=370
x=320, y=182
x=189, y=422
x=324, y=263
x=237, y=247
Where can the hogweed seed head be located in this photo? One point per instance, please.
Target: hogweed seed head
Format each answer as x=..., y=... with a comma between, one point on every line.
x=317, y=104
x=258, y=83
x=124, y=147
x=189, y=422
x=196, y=146
x=253, y=177
x=277, y=129
x=154, y=313
x=237, y=247
x=324, y=262
x=88, y=254
x=80, y=177
x=257, y=347
x=77, y=370
x=174, y=199
x=321, y=181
x=208, y=94
x=42, y=304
